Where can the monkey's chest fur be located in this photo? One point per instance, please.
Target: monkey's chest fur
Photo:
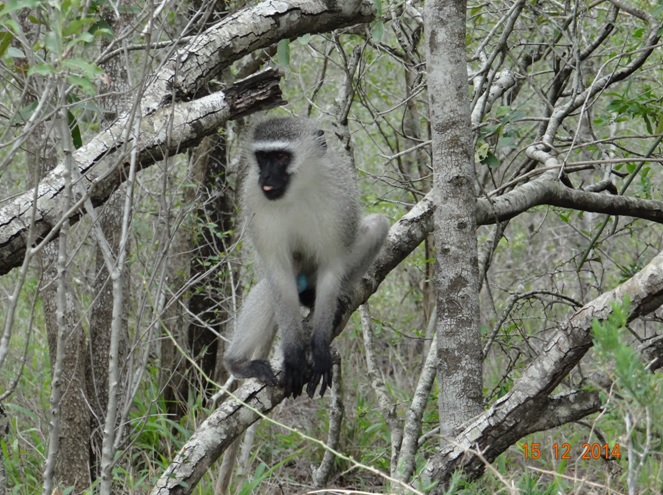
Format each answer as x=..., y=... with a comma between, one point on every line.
x=303, y=236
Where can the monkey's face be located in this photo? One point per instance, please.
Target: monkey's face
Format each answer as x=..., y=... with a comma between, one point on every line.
x=274, y=176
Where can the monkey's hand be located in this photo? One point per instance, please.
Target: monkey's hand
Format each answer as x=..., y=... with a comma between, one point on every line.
x=295, y=369
x=322, y=368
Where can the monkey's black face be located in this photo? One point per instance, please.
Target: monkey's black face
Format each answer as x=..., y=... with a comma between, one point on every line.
x=274, y=177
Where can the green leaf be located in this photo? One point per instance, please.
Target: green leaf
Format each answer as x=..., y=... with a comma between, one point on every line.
x=304, y=40
x=41, y=69
x=76, y=26
x=378, y=9
x=85, y=37
x=5, y=39
x=14, y=5
x=101, y=28
x=283, y=52
x=491, y=160
x=37, y=20
x=15, y=53
x=377, y=31
x=52, y=42
x=75, y=130
x=82, y=66
x=82, y=82
x=24, y=113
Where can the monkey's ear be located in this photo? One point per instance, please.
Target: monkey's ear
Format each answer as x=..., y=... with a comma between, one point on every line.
x=320, y=136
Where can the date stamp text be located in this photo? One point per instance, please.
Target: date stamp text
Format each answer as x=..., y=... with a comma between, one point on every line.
x=561, y=451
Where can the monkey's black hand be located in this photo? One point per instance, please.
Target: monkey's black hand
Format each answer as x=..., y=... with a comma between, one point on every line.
x=294, y=371
x=322, y=368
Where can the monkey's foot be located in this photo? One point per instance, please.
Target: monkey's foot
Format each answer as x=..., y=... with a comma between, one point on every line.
x=258, y=368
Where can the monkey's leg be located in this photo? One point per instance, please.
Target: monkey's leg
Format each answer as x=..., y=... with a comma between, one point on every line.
x=372, y=233
x=253, y=337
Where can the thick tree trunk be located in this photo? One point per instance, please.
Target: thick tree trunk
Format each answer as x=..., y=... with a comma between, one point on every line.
x=72, y=468
x=457, y=279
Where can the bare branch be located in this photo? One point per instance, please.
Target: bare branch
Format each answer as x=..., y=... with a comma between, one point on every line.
x=547, y=190
x=599, y=84
x=322, y=474
x=247, y=30
x=387, y=404
x=215, y=435
x=415, y=413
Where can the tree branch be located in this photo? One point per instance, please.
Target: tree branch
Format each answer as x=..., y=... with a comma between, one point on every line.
x=548, y=190
x=517, y=413
x=230, y=420
x=599, y=84
x=215, y=435
x=246, y=31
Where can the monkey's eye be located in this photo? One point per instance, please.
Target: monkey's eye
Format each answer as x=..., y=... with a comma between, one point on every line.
x=281, y=157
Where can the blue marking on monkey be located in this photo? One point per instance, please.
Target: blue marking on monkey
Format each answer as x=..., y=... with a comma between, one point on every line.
x=302, y=283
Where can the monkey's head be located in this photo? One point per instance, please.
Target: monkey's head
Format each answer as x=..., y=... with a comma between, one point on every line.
x=282, y=147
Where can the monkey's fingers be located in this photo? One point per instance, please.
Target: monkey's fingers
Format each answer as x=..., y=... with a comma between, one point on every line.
x=325, y=377
x=326, y=381
x=293, y=383
x=294, y=373
x=312, y=385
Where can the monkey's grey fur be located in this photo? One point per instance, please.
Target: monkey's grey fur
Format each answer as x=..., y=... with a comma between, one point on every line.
x=304, y=219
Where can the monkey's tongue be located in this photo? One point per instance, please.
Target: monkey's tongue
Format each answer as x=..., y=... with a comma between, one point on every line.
x=267, y=188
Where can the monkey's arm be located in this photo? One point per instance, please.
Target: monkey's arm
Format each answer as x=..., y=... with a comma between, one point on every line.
x=246, y=357
x=327, y=292
x=283, y=287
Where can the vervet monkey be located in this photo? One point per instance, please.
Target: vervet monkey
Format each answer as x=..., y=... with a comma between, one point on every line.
x=304, y=219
